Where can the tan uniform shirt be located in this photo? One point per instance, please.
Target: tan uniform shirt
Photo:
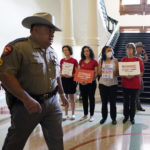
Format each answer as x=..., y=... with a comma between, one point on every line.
x=36, y=69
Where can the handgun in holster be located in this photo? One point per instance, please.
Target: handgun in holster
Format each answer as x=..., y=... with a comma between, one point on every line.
x=10, y=99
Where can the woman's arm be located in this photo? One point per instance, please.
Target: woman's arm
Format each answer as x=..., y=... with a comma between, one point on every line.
x=116, y=71
x=100, y=68
x=78, y=67
x=96, y=72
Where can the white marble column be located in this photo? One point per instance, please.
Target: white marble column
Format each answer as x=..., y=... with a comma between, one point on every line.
x=93, y=32
x=67, y=22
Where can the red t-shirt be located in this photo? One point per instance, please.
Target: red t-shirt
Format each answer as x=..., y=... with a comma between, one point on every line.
x=72, y=61
x=88, y=66
x=135, y=82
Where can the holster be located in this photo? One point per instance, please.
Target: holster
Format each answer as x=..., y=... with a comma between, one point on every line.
x=11, y=100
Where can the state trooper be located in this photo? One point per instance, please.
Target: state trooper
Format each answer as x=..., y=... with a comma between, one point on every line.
x=140, y=53
x=29, y=73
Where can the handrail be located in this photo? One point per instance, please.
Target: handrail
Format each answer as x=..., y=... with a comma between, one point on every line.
x=111, y=22
x=114, y=36
x=112, y=26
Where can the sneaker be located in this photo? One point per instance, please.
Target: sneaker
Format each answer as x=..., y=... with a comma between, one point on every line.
x=73, y=117
x=91, y=119
x=83, y=118
x=65, y=117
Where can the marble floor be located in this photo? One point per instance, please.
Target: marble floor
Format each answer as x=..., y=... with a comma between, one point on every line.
x=85, y=135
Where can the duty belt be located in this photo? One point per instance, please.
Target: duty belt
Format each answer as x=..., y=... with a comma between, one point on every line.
x=42, y=97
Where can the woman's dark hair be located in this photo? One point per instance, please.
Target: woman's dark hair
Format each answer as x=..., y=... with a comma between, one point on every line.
x=69, y=49
x=90, y=50
x=132, y=46
x=103, y=58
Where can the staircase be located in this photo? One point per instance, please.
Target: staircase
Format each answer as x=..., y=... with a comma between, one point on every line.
x=119, y=50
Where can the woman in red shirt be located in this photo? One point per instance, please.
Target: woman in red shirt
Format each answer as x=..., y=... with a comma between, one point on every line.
x=131, y=84
x=68, y=83
x=88, y=89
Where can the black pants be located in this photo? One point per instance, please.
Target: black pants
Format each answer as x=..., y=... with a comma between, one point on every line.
x=88, y=92
x=108, y=94
x=138, y=101
x=129, y=103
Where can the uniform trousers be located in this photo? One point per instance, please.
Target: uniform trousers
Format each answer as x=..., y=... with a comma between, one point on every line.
x=138, y=101
x=23, y=123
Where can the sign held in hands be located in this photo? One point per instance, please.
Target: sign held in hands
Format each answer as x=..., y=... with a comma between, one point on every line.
x=82, y=75
x=129, y=68
x=67, y=69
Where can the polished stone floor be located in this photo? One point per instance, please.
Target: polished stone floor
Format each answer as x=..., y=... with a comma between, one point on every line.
x=85, y=135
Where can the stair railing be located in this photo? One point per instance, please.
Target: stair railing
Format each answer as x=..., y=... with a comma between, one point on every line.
x=112, y=26
x=114, y=36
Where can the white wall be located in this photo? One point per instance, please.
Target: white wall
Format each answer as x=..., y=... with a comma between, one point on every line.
x=113, y=7
x=12, y=12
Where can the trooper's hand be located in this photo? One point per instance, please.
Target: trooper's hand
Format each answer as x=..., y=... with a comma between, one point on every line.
x=64, y=100
x=144, y=51
x=32, y=106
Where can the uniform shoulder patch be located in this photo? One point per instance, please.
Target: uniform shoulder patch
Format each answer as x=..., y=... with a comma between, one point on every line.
x=7, y=50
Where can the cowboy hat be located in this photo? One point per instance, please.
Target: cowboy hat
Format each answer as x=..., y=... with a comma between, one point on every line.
x=40, y=18
x=139, y=44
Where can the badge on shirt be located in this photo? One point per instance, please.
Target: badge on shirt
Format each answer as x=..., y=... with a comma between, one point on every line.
x=54, y=59
x=7, y=50
x=1, y=62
